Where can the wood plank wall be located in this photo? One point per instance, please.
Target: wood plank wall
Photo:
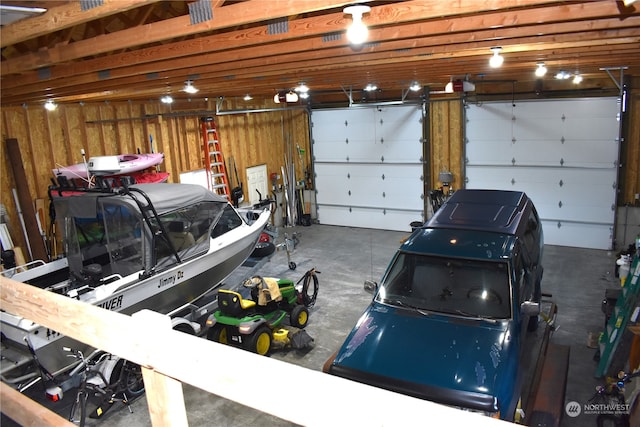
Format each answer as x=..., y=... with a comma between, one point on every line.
x=50, y=139
x=445, y=135
x=55, y=138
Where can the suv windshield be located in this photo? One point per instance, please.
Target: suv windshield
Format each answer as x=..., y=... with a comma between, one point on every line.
x=448, y=285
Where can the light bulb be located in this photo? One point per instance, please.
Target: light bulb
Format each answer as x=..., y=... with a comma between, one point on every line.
x=357, y=32
x=541, y=70
x=496, y=60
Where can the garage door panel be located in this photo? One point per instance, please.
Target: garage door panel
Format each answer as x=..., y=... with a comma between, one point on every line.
x=488, y=130
x=385, y=186
x=527, y=128
x=595, y=128
x=376, y=166
x=564, y=156
x=367, y=218
x=489, y=152
x=399, y=151
x=393, y=124
x=564, y=233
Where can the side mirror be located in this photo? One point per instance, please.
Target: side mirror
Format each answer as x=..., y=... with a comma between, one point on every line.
x=370, y=286
x=530, y=308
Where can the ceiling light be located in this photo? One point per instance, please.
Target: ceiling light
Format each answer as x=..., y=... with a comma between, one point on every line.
x=189, y=87
x=628, y=3
x=541, y=70
x=577, y=79
x=357, y=32
x=304, y=95
x=415, y=86
x=166, y=99
x=496, y=60
x=302, y=88
x=50, y=105
x=370, y=87
x=248, y=97
x=563, y=75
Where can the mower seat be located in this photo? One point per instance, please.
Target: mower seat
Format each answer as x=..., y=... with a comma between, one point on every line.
x=232, y=304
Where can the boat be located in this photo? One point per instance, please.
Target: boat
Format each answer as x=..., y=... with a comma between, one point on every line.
x=121, y=164
x=144, y=246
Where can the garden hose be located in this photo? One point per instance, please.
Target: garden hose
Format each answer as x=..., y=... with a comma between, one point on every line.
x=309, y=300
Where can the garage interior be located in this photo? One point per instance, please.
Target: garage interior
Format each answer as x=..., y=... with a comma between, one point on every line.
x=292, y=99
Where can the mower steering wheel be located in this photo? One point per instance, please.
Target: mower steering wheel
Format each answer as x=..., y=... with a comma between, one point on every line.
x=251, y=283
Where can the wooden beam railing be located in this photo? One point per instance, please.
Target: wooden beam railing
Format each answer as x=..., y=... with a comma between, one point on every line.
x=170, y=358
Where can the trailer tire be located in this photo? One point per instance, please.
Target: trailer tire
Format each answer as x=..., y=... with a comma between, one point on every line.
x=263, y=249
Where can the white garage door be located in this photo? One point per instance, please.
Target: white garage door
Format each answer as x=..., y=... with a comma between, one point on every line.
x=562, y=153
x=368, y=166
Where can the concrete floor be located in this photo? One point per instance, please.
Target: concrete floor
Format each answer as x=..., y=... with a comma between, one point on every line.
x=577, y=279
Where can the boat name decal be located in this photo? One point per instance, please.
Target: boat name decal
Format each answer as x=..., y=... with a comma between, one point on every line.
x=171, y=280
x=112, y=304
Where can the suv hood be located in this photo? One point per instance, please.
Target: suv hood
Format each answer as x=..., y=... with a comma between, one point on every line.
x=449, y=359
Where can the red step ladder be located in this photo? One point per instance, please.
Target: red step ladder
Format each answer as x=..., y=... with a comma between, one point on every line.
x=213, y=159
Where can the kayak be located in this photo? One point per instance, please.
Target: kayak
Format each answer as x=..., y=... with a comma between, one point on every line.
x=122, y=164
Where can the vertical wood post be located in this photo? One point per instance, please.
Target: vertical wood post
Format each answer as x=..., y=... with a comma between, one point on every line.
x=165, y=396
x=38, y=249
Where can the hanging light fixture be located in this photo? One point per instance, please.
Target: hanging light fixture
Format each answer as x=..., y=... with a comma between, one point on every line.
x=496, y=60
x=415, y=86
x=577, y=78
x=541, y=70
x=166, y=99
x=189, y=87
x=357, y=33
x=50, y=105
x=370, y=87
x=563, y=75
x=248, y=97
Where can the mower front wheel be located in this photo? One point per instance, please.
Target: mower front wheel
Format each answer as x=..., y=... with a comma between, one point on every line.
x=259, y=341
x=218, y=333
x=299, y=316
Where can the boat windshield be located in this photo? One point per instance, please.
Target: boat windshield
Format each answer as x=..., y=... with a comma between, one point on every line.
x=114, y=239
x=188, y=230
x=463, y=287
x=109, y=242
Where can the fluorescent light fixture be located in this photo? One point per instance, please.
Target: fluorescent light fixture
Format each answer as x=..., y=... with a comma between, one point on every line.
x=166, y=99
x=415, y=86
x=50, y=105
x=248, y=97
x=357, y=33
x=577, y=79
x=370, y=87
x=496, y=60
x=541, y=70
x=189, y=87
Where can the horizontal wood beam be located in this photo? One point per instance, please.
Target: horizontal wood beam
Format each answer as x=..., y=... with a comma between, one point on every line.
x=228, y=16
x=61, y=17
x=390, y=39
